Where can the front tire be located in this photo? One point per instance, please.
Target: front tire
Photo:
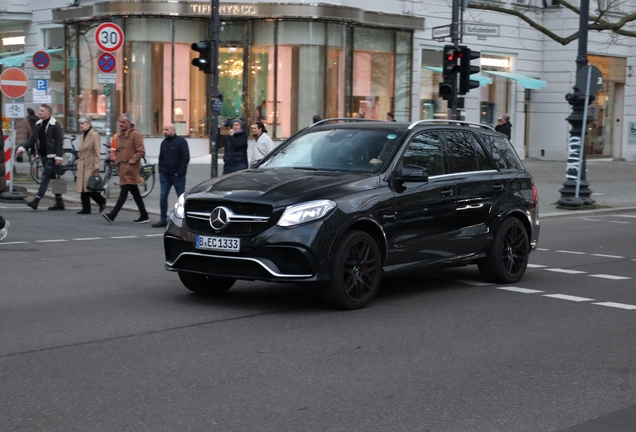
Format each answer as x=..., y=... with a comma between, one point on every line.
x=356, y=271
x=508, y=254
x=36, y=170
x=208, y=285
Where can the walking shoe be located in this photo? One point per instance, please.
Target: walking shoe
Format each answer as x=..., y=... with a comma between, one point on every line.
x=4, y=231
x=102, y=207
x=34, y=203
x=160, y=224
x=59, y=205
x=142, y=219
x=109, y=218
x=84, y=212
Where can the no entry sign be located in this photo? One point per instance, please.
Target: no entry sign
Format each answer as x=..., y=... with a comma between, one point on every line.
x=109, y=37
x=14, y=83
x=41, y=60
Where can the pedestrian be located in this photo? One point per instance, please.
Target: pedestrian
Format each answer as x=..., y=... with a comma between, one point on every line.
x=503, y=125
x=88, y=166
x=316, y=118
x=130, y=150
x=235, y=157
x=22, y=133
x=48, y=138
x=260, y=113
x=264, y=143
x=174, y=157
x=31, y=118
x=4, y=228
x=390, y=117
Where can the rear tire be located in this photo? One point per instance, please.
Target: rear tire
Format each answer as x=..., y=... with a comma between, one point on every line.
x=36, y=170
x=356, y=271
x=508, y=253
x=146, y=187
x=208, y=285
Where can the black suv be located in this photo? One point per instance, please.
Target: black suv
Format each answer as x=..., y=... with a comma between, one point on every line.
x=345, y=201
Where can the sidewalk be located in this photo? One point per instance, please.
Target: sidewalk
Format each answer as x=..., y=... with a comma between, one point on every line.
x=613, y=185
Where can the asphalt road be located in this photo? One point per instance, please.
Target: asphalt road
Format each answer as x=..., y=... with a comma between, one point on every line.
x=96, y=336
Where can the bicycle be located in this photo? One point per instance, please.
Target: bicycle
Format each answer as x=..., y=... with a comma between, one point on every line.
x=146, y=172
x=36, y=167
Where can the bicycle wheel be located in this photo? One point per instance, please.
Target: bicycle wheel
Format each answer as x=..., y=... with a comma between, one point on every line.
x=108, y=171
x=146, y=187
x=36, y=170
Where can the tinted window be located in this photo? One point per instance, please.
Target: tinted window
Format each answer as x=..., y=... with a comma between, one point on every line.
x=483, y=160
x=425, y=150
x=336, y=149
x=501, y=152
x=461, y=152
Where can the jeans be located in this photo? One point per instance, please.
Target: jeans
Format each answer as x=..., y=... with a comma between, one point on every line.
x=166, y=182
x=48, y=173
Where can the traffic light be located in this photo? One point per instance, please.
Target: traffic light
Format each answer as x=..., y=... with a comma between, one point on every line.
x=467, y=69
x=450, y=68
x=204, y=50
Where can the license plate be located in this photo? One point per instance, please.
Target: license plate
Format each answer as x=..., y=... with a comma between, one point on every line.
x=218, y=243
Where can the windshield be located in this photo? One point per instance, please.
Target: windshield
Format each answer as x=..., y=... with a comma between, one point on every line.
x=336, y=150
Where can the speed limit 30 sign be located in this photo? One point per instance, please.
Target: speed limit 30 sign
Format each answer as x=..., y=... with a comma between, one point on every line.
x=109, y=37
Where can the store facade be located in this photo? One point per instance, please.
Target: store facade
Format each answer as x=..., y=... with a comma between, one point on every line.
x=280, y=64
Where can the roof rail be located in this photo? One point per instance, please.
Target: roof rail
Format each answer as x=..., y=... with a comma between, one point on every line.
x=412, y=125
x=339, y=119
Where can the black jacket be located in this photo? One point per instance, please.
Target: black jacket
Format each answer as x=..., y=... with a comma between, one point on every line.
x=504, y=128
x=235, y=157
x=54, y=145
x=174, y=156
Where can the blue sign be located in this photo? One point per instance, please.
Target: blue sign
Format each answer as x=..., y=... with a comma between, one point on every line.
x=41, y=84
x=106, y=63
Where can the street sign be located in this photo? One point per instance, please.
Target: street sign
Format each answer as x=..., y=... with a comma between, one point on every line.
x=481, y=30
x=103, y=78
x=441, y=32
x=596, y=79
x=14, y=110
x=14, y=83
x=41, y=60
x=42, y=96
x=106, y=63
x=41, y=74
x=41, y=84
x=109, y=37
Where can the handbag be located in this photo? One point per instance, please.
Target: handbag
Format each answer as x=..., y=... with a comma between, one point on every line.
x=58, y=185
x=95, y=183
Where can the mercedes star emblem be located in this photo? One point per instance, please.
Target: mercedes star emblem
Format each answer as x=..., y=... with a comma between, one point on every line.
x=219, y=217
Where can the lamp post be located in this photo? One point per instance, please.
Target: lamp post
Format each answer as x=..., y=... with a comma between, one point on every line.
x=575, y=168
x=215, y=102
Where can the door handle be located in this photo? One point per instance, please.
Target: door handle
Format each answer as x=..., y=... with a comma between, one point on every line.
x=498, y=187
x=447, y=192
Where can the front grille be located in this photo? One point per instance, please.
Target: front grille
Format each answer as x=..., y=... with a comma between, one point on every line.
x=198, y=217
x=221, y=267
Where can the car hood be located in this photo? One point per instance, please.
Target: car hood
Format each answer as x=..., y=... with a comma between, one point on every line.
x=279, y=187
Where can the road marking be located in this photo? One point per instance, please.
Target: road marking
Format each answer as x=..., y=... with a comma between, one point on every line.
x=154, y=235
x=619, y=222
x=520, y=290
x=11, y=243
x=536, y=266
x=568, y=297
x=542, y=249
x=560, y=270
x=625, y=216
x=607, y=256
x=123, y=237
x=605, y=276
x=571, y=252
x=593, y=220
x=617, y=305
x=89, y=238
x=472, y=282
x=50, y=241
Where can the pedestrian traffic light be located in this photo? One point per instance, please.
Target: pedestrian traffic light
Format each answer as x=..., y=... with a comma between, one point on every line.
x=203, y=62
x=450, y=68
x=467, y=69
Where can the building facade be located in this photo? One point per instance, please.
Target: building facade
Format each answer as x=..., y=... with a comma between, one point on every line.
x=283, y=63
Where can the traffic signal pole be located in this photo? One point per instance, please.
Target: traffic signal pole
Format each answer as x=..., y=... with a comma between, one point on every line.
x=456, y=37
x=215, y=103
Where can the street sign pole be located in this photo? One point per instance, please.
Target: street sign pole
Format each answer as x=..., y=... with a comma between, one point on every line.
x=215, y=103
x=456, y=37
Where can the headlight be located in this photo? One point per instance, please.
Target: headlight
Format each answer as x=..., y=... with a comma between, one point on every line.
x=179, y=211
x=306, y=212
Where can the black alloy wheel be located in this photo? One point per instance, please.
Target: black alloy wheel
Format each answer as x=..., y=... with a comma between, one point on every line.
x=207, y=285
x=355, y=272
x=508, y=254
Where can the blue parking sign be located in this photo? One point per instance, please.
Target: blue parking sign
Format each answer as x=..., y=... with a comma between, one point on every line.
x=41, y=84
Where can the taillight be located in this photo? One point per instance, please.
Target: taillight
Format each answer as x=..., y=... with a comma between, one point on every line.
x=535, y=194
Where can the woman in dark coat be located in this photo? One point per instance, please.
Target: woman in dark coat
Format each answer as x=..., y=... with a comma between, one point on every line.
x=235, y=157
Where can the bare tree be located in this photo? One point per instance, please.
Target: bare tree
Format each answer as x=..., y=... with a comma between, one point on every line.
x=599, y=22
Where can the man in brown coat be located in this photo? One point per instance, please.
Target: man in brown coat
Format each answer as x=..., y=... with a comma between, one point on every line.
x=130, y=150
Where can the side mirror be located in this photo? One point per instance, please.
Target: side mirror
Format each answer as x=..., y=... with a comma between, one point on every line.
x=412, y=173
x=255, y=163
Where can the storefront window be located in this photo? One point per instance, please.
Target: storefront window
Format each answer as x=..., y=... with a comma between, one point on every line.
x=336, y=37
x=90, y=98
x=373, y=72
x=261, y=74
x=431, y=105
x=494, y=101
x=402, y=103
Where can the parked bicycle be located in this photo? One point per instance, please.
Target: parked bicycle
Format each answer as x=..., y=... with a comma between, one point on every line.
x=146, y=172
x=71, y=163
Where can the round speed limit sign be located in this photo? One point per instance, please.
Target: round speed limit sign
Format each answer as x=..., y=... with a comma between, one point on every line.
x=109, y=37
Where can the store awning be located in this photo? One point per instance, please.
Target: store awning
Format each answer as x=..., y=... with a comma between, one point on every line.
x=20, y=58
x=522, y=80
x=483, y=81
